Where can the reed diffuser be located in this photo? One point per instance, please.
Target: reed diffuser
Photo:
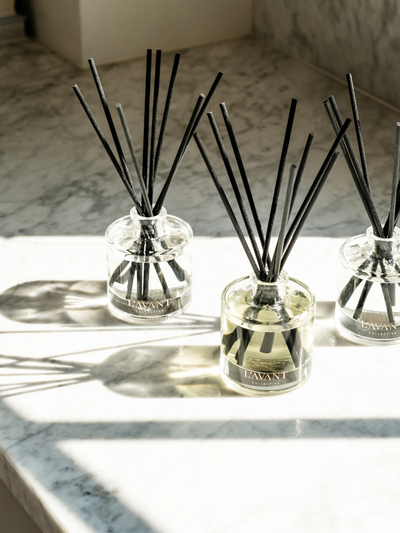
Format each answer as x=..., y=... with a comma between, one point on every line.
x=267, y=318
x=368, y=305
x=149, y=251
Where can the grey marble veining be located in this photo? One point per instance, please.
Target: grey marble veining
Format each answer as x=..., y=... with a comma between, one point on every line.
x=360, y=37
x=56, y=178
x=109, y=428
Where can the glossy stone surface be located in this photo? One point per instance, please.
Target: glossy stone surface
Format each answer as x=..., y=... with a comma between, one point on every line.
x=360, y=37
x=109, y=428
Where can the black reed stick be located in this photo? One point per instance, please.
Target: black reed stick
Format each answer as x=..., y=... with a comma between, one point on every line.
x=149, y=210
x=154, y=122
x=227, y=205
x=125, y=127
x=279, y=178
x=165, y=114
x=191, y=128
x=163, y=282
x=355, y=171
x=243, y=174
x=349, y=146
x=397, y=211
x=310, y=204
x=204, y=106
x=107, y=148
x=119, y=272
x=132, y=270
x=302, y=166
x=178, y=156
x=146, y=117
x=277, y=257
x=144, y=271
x=110, y=121
x=395, y=180
x=357, y=126
x=320, y=177
x=237, y=194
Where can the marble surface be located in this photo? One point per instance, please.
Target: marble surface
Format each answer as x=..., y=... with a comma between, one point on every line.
x=57, y=179
x=110, y=428
x=360, y=37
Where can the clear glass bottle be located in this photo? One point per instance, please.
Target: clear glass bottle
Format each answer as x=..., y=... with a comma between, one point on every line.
x=267, y=333
x=149, y=263
x=368, y=305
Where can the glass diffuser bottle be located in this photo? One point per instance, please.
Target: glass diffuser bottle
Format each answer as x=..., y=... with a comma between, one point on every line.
x=149, y=266
x=267, y=333
x=148, y=252
x=368, y=306
x=267, y=318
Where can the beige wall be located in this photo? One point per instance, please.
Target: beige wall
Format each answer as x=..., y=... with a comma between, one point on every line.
x=13, y=518
x=57, y=25
x=6, y=8
x=116, y=30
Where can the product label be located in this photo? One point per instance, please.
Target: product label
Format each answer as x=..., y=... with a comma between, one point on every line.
x=371, y=329
x=149, y=305
x=143, y=308
x=263, y=380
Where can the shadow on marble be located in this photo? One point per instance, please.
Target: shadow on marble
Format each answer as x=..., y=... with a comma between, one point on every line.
x=164, y=371
x=142, y=371
x=84, y=304
x=84, y=496
x=72, y=303
x=325, y=333
x=80, y=303
x=102, y=509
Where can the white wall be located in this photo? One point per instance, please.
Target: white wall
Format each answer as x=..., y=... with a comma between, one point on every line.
x=117, y=30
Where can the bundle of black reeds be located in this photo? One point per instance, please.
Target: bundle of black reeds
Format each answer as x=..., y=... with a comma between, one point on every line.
x=361, y=179
x=152, y=149
x=265, y=267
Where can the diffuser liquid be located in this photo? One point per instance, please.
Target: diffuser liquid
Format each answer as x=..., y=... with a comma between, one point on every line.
x=266, y=348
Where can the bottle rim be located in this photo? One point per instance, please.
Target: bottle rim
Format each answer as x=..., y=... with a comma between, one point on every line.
x=135, y=216
x=374, y=238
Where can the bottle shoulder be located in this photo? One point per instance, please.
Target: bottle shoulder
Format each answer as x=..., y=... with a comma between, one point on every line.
x=378, y=261
x=239, y=304
x=176, y=236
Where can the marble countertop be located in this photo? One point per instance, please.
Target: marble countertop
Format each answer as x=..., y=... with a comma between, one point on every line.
x=111, y=428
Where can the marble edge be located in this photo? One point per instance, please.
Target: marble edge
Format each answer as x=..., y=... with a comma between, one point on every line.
x=27, y=496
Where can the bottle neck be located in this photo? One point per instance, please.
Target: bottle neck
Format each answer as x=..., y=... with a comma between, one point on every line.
x=148, y=227
x=269, y=294
x=384, y=248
